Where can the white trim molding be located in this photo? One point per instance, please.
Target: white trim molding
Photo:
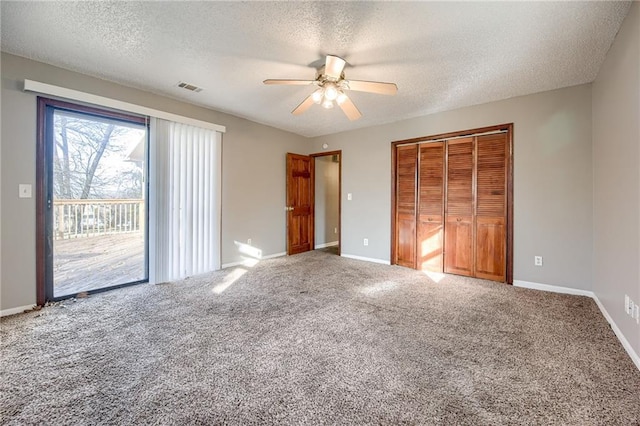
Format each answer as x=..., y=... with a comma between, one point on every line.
x=76, y=95
x=577, y=292
x=252, y=261
x=552, y=288
x=325, y=245
x=625, y=343
x=366, y=259
x=18, y=310
x=271, y=256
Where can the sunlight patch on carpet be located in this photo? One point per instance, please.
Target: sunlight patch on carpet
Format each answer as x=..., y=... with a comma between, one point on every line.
x=435, y=276
x=381, y=287
x=231, y=278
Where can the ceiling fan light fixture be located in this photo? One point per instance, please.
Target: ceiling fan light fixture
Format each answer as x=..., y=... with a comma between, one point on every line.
x=341, y=98
x=317, y=96
x=328, y=104
x=330, y=91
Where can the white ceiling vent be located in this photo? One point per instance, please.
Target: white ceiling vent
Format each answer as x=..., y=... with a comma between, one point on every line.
x=190, y=87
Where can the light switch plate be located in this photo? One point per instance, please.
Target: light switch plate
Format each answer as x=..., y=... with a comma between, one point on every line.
x=24, y=190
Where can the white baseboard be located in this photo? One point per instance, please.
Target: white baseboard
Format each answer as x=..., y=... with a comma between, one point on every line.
x=574, y=291
x=271, y=256
x=553, y=288
x=324, y=245
x=625, y=343
x=18, y=310
x=366, y=259
x=252, y=261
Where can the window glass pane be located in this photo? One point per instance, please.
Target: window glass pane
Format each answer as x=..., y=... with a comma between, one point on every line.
x=99, y=207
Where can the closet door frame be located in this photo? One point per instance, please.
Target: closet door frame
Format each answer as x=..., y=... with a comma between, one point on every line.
x=508, y=128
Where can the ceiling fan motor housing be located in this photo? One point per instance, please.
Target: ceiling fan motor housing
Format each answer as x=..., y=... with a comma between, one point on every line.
x=322, y=77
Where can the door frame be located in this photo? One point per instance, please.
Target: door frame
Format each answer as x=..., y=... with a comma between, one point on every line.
x=326, y=154
x=508, y=127
x=44, y=196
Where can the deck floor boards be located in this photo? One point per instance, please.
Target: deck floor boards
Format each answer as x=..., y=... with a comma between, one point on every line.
x=90, y=263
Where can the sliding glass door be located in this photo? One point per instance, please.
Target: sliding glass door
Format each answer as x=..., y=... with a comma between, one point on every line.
x=96, y=199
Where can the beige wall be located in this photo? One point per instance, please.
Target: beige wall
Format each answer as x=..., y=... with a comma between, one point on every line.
x=552, y=180
x=326, y=200
x=616, y=168
x=253, y=175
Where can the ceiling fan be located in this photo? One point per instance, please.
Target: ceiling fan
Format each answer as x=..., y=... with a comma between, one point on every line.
x=331, y=88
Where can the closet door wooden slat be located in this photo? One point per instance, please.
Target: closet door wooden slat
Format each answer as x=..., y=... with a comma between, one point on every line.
x=491, y=206
x=406, y=167
x=430, y=207
x=459, y=229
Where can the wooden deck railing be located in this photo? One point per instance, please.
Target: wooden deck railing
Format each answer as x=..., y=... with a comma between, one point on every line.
x=84, y=218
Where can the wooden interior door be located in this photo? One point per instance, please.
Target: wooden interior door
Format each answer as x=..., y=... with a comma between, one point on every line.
x=431, y=207
x=300, y=200
x=491, y=206
x=405, y=191
x=459, y=235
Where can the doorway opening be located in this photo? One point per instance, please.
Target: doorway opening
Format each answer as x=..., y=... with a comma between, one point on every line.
x=327, y=201
x=313, y=202
x=91, y=200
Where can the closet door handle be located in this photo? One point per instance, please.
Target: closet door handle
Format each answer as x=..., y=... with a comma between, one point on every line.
x=459, y=219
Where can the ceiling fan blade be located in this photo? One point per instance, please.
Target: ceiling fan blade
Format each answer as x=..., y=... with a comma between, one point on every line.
x=333, y=66
x=290, y=82
x=373, y=87
x=304, y=105
x=350, y=109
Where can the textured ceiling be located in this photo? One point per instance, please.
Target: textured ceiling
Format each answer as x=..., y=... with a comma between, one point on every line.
x=441, y=55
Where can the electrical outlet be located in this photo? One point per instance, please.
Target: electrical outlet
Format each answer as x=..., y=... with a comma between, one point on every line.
x=632, y=310
x=24, y=190
x=365, y=242
x=249, y=241
x=628, y=305
x=537, y=260
x=335, y=230
x=349, y=196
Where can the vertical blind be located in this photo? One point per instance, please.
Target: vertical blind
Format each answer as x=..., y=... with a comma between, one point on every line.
x=185, y=189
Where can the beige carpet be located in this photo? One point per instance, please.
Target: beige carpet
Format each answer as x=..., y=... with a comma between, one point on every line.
x=317, y=339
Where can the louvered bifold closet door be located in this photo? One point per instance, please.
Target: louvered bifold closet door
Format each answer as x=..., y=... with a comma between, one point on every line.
x=406, y=159
x=431, y=207
x=491, y=206
x=458, y=247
